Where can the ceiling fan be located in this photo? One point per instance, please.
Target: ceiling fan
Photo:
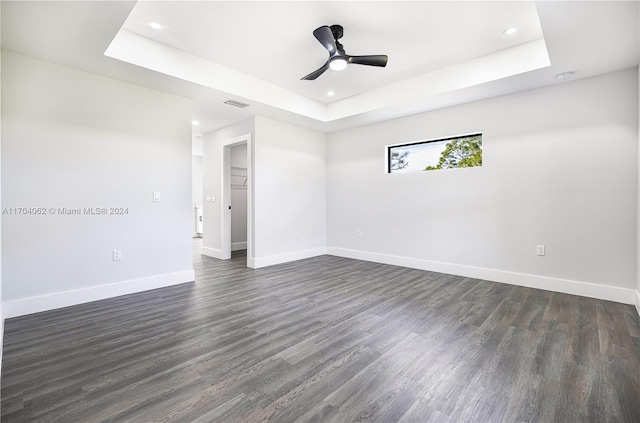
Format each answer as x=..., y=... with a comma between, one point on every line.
x=338, y=59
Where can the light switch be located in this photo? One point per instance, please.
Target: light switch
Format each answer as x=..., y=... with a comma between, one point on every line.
x=156, y=196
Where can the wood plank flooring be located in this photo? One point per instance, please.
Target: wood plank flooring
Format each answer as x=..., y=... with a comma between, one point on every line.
x=325, y=340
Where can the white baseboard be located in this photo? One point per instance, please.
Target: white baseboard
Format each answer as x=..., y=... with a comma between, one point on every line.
x=236, y=246
x=287, y=257
x=55, y=300
x=584, y=289
x=638, y=302
x=251, y=263
x=212, y=252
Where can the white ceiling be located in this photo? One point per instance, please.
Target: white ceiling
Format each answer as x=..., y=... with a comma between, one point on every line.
x=273, y=41
x=440, y=52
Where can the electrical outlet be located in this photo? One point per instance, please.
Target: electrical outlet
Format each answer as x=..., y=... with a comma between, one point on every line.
x=117, y=254
x=359, y=235
x=540, y=250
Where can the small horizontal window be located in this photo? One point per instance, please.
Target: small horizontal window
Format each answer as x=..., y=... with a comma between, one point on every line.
x=444, y=153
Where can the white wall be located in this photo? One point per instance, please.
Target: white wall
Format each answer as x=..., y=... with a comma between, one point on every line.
x=196, y=145
x=638, y=217
x=196, y=183
x=77, y=140
x=559, y=169
x=238, y=199
x=290, y=192
x=1, y=310
x=196, y=187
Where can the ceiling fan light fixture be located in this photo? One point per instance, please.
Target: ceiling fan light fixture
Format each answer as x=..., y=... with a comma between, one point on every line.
x=338, y=63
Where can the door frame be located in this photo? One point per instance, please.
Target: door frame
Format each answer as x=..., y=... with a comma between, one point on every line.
x=225, y=226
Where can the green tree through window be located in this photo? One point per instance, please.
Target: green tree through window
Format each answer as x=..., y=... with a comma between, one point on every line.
x=460, y=152
x=399, y=160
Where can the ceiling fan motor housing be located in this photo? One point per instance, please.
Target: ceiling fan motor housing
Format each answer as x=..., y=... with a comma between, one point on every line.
x=337, y=31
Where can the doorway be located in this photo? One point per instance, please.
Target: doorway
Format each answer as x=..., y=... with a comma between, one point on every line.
x=237, y=198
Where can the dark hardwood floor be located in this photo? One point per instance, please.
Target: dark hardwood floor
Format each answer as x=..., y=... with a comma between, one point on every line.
x=325, y=340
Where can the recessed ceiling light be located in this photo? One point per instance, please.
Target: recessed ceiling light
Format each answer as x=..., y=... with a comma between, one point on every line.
x=330, y=93
x=510, y=31
x=155, y=25
x=195, y=123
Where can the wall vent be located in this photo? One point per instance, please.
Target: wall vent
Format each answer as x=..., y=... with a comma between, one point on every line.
x=235, y=103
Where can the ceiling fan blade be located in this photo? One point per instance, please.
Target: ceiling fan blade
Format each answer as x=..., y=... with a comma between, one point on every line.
x=325, y=36
x=317, y=73
x=375, y=60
